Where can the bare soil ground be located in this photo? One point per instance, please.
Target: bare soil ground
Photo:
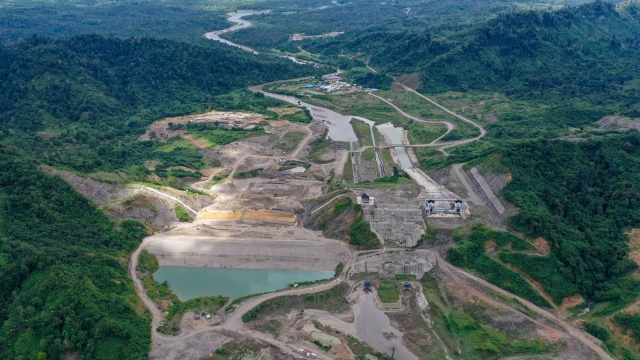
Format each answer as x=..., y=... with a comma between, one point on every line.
x=206, y=244
x=160, y=129
x=621, y=123
x=570, y=302
x=134, y=201
x=270, y=216
x=543, y=245
x=634, y=245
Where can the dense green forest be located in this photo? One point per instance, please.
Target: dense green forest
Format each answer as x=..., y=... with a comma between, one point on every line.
x=315, y=18
x=81, y=103
x=64, y=287
x=581, y=197
x=580, y=61
x=189, y=19
x=181, y=20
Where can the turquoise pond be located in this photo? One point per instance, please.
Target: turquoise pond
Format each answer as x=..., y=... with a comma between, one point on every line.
x=189, y=283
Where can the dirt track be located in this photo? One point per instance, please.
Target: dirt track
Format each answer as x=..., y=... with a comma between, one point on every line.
x=586, y=339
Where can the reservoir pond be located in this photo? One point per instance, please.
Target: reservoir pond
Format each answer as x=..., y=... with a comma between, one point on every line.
x=189, y=282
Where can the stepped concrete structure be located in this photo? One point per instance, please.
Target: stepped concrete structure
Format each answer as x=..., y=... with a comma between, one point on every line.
x=393, y=263
x=403, y=224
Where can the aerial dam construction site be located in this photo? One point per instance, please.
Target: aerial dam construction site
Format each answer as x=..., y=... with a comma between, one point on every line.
x=320, y=179
x=308, y=240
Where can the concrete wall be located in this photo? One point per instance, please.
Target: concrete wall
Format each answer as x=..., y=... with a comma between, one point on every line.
x=398, y=223
x=392, y=263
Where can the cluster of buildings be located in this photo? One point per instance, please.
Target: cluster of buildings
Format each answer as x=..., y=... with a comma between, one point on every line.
x=303, y=36
x=331, y=83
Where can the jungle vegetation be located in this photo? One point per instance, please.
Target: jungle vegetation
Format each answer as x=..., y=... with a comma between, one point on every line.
x=81, y=103
x=64, y=287
x=580, y=62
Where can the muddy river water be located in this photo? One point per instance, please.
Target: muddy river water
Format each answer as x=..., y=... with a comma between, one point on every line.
x=394, y=135
x=190, y=282
x=240, y=23
x=339, y=127
x=374, y=327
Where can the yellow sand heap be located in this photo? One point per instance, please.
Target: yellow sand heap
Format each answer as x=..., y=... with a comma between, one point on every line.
x=220, y=215
x=269, y=216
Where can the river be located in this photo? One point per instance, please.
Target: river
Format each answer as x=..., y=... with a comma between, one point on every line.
x=240, y=23
x=339, y=125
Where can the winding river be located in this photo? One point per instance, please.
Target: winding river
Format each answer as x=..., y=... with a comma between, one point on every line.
x=240, y=23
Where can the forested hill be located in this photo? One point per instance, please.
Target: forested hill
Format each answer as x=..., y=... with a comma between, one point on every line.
x=89, y=77
x=589, y=52
x=82, y=102
x=64, y=289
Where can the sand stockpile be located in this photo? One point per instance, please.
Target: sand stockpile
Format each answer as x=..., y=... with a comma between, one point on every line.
x=270, y=216
x=220, y=215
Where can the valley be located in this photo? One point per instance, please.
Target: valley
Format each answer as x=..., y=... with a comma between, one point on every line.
x=247, y=226
x=292, y=183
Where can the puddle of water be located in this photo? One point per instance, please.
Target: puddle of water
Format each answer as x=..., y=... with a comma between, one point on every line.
x=325, y=338
x=374, y=327
x=189, y=283
x=297, y=170
x=394, y=134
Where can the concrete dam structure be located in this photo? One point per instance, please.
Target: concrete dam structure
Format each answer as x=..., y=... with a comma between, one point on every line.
x=403, y=224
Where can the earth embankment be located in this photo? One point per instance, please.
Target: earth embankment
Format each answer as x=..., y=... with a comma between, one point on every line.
x=256, y=247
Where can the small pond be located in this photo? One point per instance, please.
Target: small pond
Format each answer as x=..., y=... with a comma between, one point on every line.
x=189, y=282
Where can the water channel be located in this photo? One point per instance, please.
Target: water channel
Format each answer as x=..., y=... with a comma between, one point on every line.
x=374, y=327
x=191, y=282
x=394, y=135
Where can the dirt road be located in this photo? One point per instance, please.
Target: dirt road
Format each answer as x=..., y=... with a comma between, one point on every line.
x=586, y=339
x=448, y=124
x=171, y=197
x=483, y=131
x=296, y=153
x=442, y=146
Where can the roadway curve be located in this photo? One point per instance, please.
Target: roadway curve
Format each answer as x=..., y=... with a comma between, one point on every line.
x=448, y=124
x=442, y=146
x=586, y=339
